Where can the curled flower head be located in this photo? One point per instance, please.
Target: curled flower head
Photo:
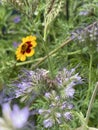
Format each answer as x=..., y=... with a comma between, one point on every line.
x=68, y=78
x=26, y=48
x=58, y=112
x=28, y=83
x=59, y=107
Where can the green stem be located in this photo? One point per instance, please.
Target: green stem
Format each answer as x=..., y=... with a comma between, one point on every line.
x=43, y=58
x=40, y=60
x=90, y=76
x=84, y=127
x=90, y=71
x=27, y=62
x=91, y=103
x=52, y=52
x=45, y=33
x=47, y=52
x=49, y=61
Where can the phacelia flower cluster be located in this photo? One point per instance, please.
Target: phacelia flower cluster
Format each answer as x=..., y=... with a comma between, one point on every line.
x=58, y=112
x=32, y=84
x=29, y=83
x=89, y=33
x=59, y=103
x=66, y=80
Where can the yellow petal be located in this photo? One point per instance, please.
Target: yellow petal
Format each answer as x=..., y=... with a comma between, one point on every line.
x=29, y=38
x=33, y=37
x=23, y=40
x=31, y=53
x=23, y=57
x=34, y=43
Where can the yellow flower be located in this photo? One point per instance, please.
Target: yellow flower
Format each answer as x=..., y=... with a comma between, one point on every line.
x=26, y=48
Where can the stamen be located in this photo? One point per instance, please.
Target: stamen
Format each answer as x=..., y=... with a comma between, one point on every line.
x=24, y=48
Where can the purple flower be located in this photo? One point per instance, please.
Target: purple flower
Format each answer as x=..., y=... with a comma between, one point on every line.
x=6, y=110
x=77, y=78
x=83, y=13
x=41, y=111
x=58, y=115
x=28, y=83
x=66, y=77
x=22, y=87
x=64, y=105
x=47, y=95
x=70, y=106
x=36, y=75
x=58, y=101
x=14, y=118
x=67, y=116
x=69, y=92
x=17, y=19
x=48, y=123
x=19, y=117
x=44, y=112
x=15, y=44
x=71, y=84
x=57, y=98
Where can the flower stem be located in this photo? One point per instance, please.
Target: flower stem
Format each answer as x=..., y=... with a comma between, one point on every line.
x=84, y=127
x=52, y=52
x=90, y=76
x=40, y=60
x=47, y=52
x=91, y=103
x=28, y=62
x=90, y=71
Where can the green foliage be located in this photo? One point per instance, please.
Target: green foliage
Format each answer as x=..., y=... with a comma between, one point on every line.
x=48, y=21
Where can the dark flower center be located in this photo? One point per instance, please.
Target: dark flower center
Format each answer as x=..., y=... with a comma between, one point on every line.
x=26, y=47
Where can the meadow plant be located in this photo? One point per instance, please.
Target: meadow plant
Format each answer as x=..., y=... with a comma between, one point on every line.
x=59, y=106
x=30, y=83
x=90, y=33
x=58, y=111
x=48, y=64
